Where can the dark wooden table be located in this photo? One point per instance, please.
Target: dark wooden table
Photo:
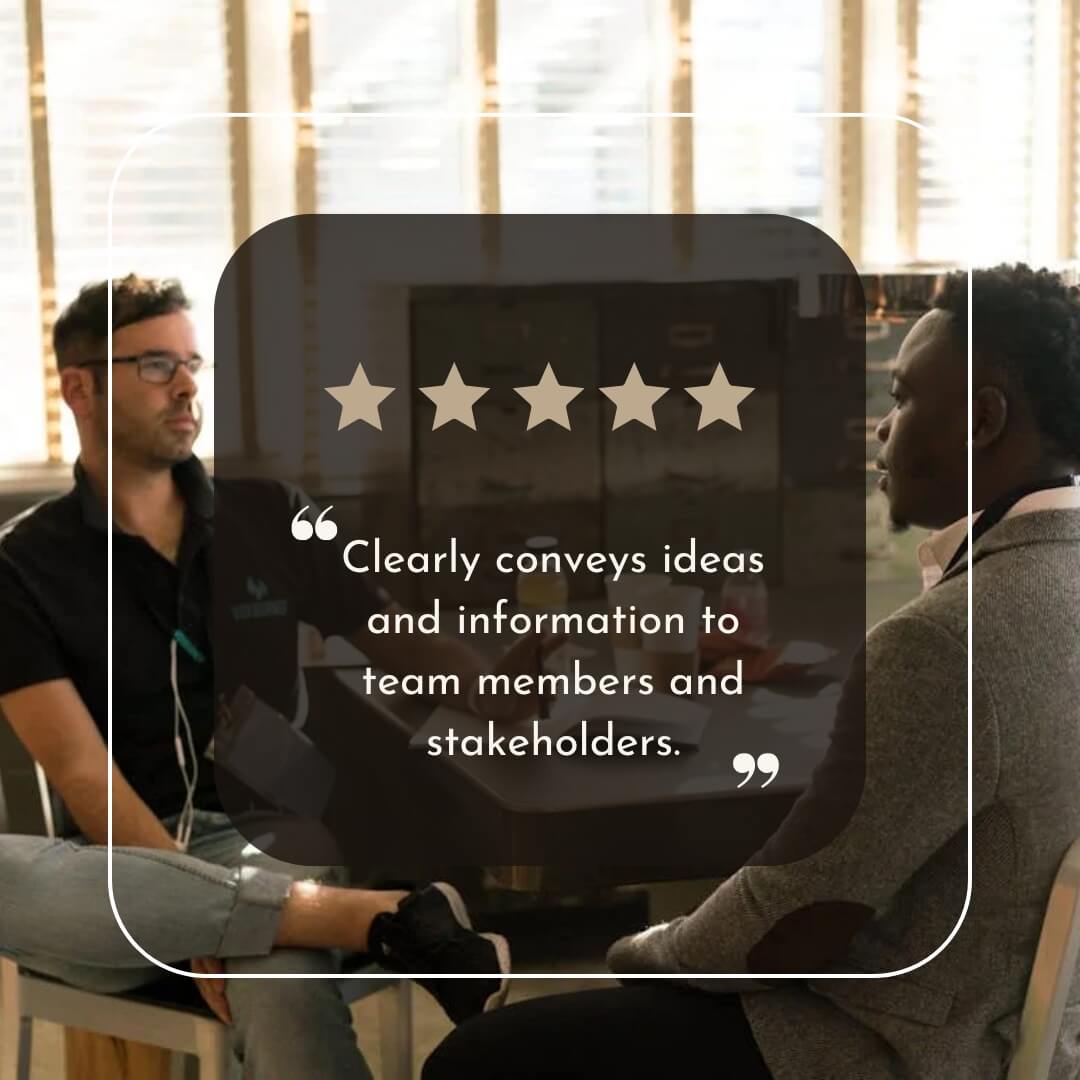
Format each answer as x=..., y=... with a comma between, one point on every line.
x=555, y=822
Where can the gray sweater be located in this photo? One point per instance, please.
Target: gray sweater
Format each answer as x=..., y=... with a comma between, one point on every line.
x=868, y=874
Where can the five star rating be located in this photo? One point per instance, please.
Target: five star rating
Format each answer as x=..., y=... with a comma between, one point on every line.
x=548, y=400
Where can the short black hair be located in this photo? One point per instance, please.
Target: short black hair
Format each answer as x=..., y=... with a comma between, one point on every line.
x=1028, y=322
x=81, y=330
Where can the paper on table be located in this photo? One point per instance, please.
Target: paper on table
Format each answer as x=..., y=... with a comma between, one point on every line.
x=805, y=653
x=680, y=720
x=632, y=714
x=794, y=715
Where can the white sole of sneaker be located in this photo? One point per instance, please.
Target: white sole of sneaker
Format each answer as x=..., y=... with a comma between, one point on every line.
x=502, y=950
x=502, y=946
x=457, y=904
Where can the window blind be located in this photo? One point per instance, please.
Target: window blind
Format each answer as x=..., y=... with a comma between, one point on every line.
x=574, y=56
x=396, y=56
x=22, y=405
x=1073, y=77
x=114, y=72
x=749, y=60
x=975, y=80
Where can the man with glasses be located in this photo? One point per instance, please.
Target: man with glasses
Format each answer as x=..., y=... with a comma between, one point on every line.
x=154, y=366
x=55, y=664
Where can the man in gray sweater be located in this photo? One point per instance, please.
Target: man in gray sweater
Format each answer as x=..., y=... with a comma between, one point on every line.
x=869, y=873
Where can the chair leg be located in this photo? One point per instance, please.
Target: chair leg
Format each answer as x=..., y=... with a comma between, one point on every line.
x=396, y=1031
x=213, y=1052
x=11, y=1027
x=26, y=1046
x=184, y=1067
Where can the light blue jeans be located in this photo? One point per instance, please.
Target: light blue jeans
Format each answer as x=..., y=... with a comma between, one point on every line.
x=222, y=899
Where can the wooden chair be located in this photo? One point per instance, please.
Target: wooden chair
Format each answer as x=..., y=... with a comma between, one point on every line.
x=138, y=1035
x=144, y=1033
x=1052, y=975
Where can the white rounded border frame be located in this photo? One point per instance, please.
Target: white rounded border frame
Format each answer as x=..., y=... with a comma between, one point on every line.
x=755, y=977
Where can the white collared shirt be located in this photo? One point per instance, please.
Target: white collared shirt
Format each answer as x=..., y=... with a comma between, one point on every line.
x=939, y=547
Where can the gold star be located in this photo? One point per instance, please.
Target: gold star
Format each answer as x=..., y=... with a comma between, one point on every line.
x=548, y=400
x=454, y=400
x=634, y=400
x=359, y=400
x=719, y=400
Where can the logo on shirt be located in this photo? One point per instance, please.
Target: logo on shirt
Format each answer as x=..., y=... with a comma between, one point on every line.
x=261, y=608
x=257, y=588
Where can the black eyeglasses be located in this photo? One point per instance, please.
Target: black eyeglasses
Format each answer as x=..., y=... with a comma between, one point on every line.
x=156, y=367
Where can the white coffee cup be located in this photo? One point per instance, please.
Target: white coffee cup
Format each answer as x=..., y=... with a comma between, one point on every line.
x=674, y=649
x=630, y=589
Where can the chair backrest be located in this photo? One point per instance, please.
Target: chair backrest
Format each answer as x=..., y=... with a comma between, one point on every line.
x=27, y=803
x=1052, y=975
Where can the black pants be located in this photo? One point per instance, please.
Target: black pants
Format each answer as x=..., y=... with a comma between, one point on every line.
x=646, y=1030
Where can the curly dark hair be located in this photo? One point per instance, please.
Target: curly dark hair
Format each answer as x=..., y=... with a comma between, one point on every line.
x=1027, y=322
x=81, y=330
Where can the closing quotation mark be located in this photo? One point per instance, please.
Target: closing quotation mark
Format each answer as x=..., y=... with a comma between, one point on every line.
x=304, y=530
x=745, y=765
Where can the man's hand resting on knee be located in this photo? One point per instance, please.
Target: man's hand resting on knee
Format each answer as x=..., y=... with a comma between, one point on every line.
x=212, y=990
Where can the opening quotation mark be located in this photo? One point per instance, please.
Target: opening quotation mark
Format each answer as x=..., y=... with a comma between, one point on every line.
x=304, y=530
x=745, y=765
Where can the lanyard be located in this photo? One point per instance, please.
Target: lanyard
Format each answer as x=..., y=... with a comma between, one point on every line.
x=1001, y=506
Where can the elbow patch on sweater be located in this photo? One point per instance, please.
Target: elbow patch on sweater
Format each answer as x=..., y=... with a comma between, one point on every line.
x=809, y=939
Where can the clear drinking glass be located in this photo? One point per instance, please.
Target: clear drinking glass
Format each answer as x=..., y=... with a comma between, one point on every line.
x=746, y=596
x=540, y=590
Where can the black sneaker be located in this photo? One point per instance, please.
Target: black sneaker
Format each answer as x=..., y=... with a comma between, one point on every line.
x=431, y=932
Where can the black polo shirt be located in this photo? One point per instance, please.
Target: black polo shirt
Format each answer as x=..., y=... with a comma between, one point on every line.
x=236, y=593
